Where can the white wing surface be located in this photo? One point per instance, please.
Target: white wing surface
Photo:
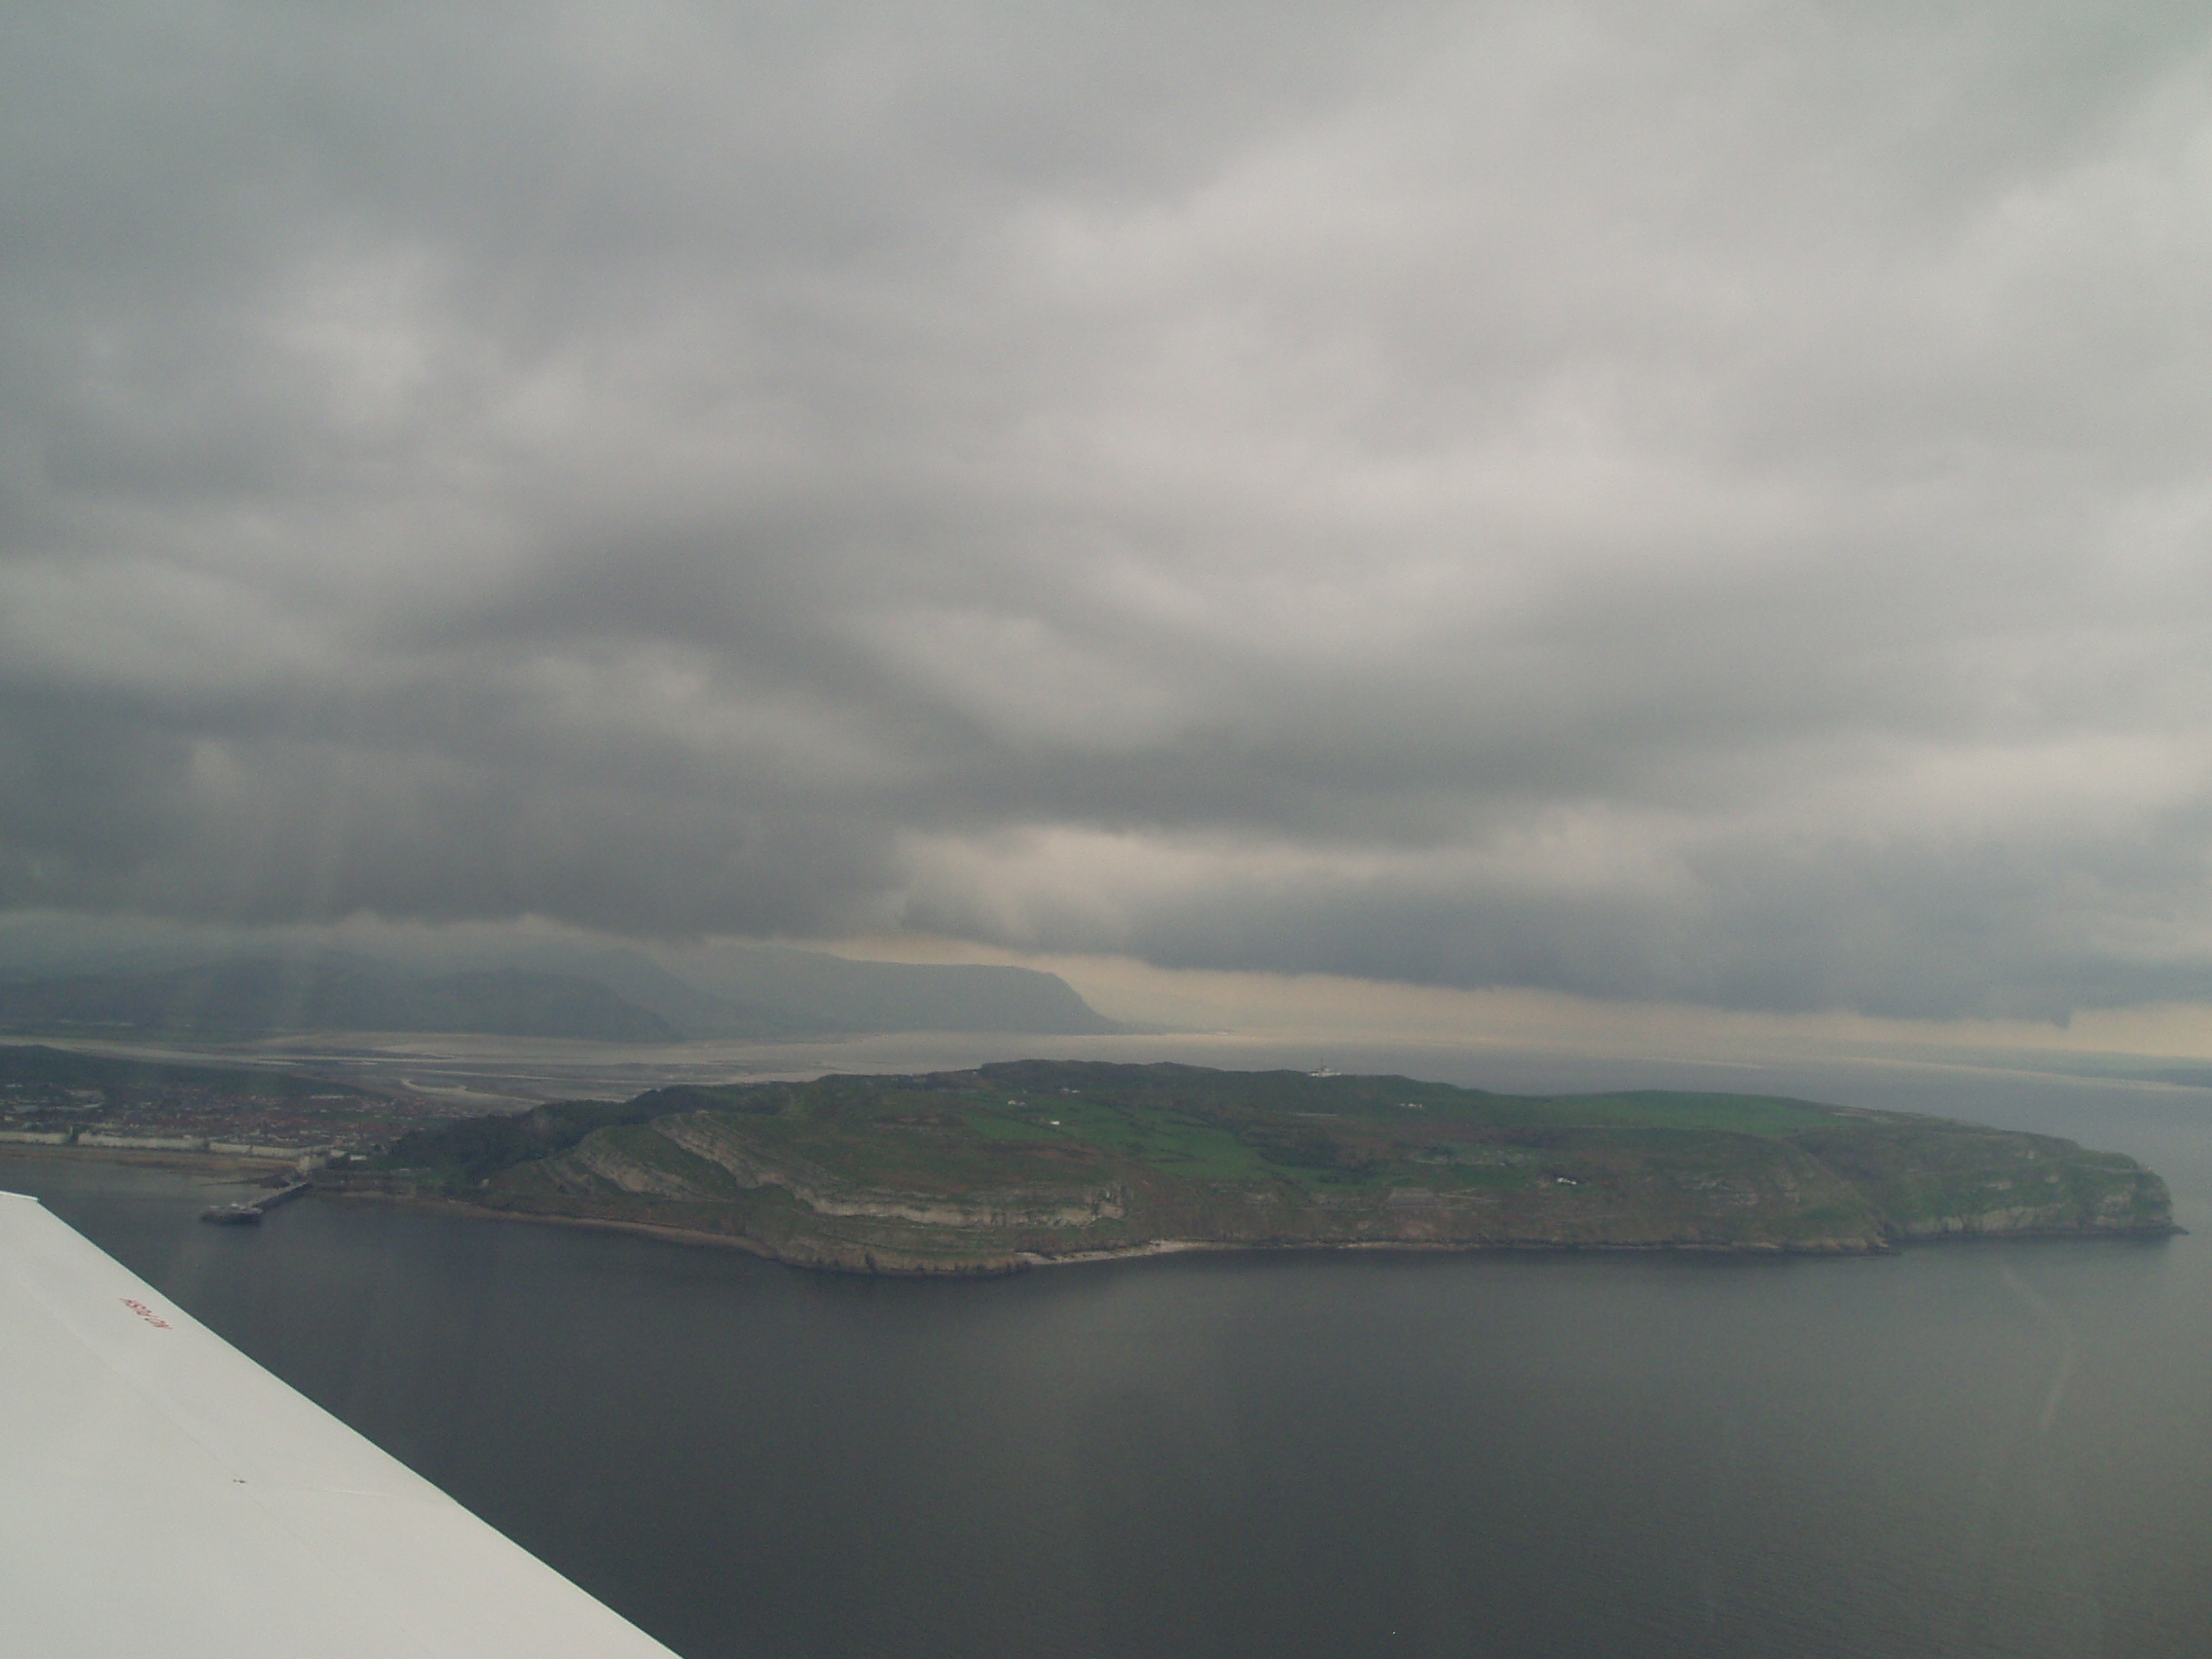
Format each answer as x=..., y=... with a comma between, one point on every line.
x=163, y=1495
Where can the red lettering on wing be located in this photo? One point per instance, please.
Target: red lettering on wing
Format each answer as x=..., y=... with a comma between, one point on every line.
x=147, y=1313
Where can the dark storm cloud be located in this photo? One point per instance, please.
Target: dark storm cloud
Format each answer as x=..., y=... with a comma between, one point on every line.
x=1697, y=503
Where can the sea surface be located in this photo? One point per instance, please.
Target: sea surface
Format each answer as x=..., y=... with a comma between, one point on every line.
x=1964, y=1449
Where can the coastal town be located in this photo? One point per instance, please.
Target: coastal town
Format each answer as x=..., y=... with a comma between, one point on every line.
x=55, y=1098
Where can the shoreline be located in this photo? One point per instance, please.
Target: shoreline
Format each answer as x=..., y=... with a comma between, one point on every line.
x=210, y=1162
x=1025, y=1260
x=867, y=1266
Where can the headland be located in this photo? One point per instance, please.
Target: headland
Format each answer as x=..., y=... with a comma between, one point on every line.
x=1034, y=1163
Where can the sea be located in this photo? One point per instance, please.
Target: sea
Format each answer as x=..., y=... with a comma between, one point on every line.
x=1982, y=1448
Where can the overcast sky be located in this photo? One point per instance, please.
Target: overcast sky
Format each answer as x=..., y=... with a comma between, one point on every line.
x=1701, y=502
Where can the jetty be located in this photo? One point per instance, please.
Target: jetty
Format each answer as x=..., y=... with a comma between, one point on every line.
x=247, y=1212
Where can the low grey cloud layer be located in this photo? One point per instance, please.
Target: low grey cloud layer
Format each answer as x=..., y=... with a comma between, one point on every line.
x=1702, y=502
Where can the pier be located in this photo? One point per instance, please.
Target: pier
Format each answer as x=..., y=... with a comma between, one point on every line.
x=248, y=1212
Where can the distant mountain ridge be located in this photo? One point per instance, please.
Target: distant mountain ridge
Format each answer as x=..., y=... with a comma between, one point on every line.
x=770, y=991
x=254, y=995
x=603, y=995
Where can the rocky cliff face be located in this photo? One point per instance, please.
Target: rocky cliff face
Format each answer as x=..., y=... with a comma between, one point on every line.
x=999, y=1209
x=1933, y=1180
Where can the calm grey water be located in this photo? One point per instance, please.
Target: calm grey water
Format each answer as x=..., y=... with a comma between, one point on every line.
x=2000, y=1449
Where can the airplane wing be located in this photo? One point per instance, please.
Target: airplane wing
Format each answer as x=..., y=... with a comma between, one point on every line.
x=163, y=1495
